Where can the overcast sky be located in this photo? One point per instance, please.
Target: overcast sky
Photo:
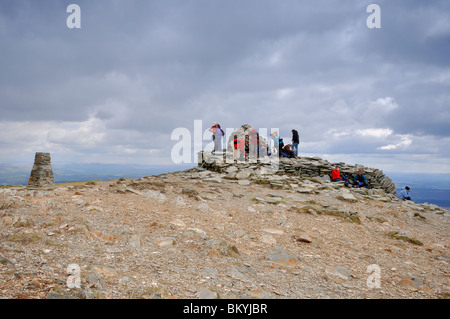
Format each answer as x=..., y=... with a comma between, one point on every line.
x=115, y=89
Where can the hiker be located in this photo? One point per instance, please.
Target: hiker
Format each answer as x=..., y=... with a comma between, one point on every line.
x=253, y=145
x=287, y=152
x=404, y=194
x=276, y=143
x=239, y=148
x=295, y=142
x=280, y=147
x=217, y=136
x=360, y=180
x=336, y=175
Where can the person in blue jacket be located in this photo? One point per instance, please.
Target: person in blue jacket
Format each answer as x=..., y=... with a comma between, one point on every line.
x=404, y=194
x=360, y=180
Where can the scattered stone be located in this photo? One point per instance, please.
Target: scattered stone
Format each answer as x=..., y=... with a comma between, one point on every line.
x=267, y=239
x=213, y=180
x=303, y=239
x=220, y=247
x=134, y=241
x=204, y=293
x=280, y=257
x=203, y=207
x=339, y=271
x=273, y=231
x=55, y=295
x=166, y=242
x=345, y=194
x=155, y=195
x=178, y=222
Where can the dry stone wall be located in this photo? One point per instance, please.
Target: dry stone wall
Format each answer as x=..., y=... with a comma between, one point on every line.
x=307, y=167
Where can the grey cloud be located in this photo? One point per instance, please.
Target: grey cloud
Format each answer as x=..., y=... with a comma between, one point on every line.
x=136, y=70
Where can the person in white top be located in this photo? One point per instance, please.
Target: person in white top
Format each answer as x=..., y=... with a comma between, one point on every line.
x=218, y=134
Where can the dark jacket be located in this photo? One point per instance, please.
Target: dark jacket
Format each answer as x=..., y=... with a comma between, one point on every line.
x=295, y=138
x=360, y=178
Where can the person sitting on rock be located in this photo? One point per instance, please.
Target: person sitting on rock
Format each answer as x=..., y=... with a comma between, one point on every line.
x=360, y=180
x=404, y=194
x=287, y=152
x=336, y=175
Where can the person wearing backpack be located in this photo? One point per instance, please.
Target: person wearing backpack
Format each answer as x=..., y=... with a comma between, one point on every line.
x=238, y=148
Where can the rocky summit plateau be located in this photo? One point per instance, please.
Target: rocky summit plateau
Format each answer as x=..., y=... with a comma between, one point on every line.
x=233, y=232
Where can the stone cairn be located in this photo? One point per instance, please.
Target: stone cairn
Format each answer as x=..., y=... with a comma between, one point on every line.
x=41, y=176
x=307, y=167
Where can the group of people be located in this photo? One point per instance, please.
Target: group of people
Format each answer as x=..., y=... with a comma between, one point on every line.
x=250, y=147
x=359, y=180
x=289, y=150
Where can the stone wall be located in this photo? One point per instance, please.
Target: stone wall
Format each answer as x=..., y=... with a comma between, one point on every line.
x=42, y=174
x=303, y=167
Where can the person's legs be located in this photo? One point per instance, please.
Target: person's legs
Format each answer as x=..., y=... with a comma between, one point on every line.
x=295, y=148
x=218, y=145
x=236, y=154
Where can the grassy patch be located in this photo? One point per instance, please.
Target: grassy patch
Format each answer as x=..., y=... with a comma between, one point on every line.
x=26, y=223
x=311, y=209
x=305, y=210
x=378, y=219
x=418, y=215
x=349, y=216
x=414, y=241
x=24, y=239
x=5, y=206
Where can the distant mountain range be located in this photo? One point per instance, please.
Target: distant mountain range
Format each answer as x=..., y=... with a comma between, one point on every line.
x=19, y=174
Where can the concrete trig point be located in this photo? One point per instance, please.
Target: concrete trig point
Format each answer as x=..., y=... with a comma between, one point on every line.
x=41, y=176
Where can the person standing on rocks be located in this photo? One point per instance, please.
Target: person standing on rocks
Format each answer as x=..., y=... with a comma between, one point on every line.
x=405, y=194
x=276, y=143
x=217, y=136
x=253, y=145
x=295, y=142
x=238, y=148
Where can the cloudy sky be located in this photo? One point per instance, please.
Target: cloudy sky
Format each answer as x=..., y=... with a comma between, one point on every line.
x=114, y=90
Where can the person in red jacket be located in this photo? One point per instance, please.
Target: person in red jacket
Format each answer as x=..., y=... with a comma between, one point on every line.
x=239, y=148
x=336, y=175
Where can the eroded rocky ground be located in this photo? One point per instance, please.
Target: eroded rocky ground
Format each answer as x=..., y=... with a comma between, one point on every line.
x=196, y=234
